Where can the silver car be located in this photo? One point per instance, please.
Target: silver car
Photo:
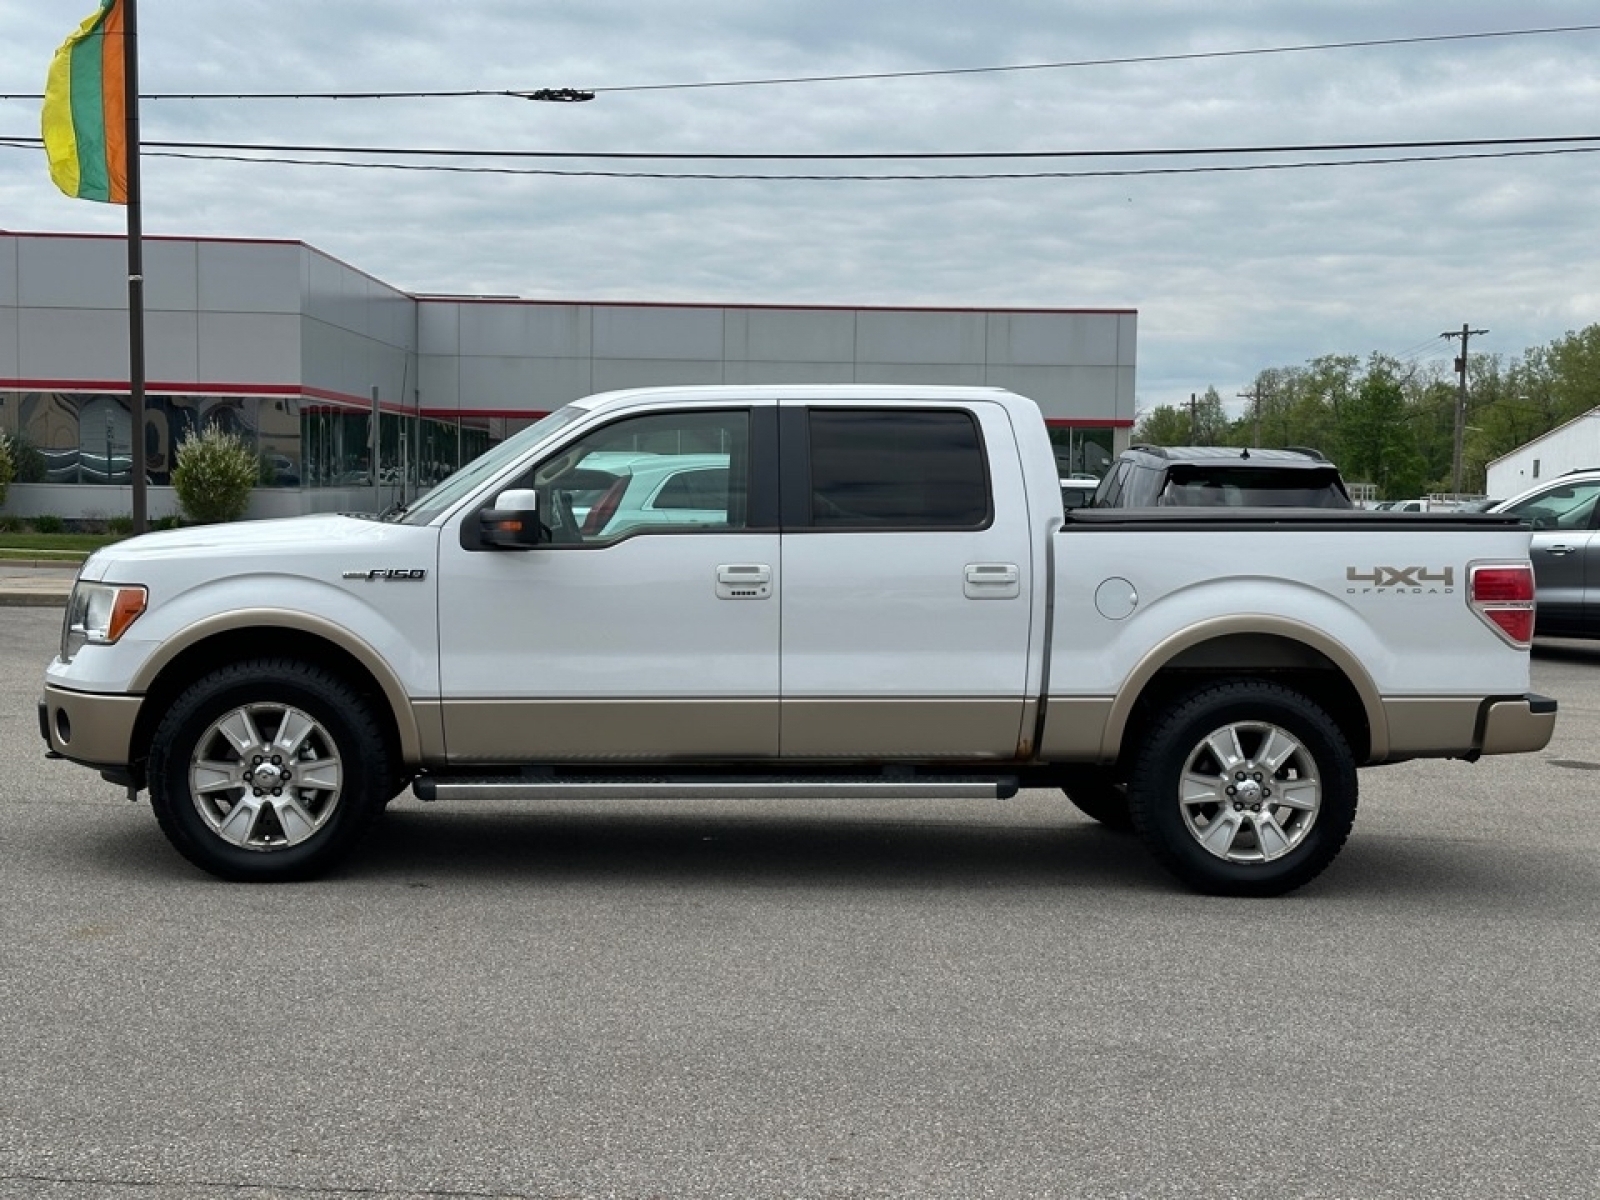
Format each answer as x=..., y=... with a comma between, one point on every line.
x=1566, y=555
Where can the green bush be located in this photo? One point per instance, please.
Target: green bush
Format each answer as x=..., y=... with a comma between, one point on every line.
x=48, y=524
x=213, y=476
x=121, y=526
x=8, y=466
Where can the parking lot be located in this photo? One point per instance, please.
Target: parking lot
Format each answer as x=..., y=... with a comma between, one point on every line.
x=765, y=999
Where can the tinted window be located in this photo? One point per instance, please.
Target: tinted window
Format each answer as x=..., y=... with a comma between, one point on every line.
x=898, y=469
x=1253, y=486
x=1568, y=506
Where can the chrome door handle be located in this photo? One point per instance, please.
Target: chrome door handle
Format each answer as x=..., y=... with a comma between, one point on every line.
x=744, y=581
x=992, y=581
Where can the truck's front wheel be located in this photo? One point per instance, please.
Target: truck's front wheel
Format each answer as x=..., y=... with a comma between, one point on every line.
x=267, y=770
x=1244, y=788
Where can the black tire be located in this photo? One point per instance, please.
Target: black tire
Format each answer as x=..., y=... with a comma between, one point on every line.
x=313, y=772
x=1263, y=824
x=1098, y=793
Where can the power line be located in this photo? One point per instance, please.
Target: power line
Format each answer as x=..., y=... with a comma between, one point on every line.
x=576, y=94
x=846, y=178
x=1575, y=141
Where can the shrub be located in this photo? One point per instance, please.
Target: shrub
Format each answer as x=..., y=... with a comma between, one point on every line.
x=213, y=476
x=8, y=466
x=48, y=524
x=164, y=523
x=121, y=526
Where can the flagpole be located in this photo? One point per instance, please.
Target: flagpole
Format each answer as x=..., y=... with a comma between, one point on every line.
x=130, y=59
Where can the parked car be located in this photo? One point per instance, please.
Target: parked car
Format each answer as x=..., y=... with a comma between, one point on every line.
x=1566, y=551
x=653, y=490
x=1221, y=476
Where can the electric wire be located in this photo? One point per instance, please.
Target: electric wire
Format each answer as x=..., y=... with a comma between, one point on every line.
x=568, y=95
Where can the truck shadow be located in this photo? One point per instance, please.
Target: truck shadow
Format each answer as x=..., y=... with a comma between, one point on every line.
x=778, y=850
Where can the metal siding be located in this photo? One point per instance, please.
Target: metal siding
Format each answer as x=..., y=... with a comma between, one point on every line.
x=171, y=278
x=526, y=331
x=956, y=374
x=172, y=347
x=244, y=348
x=792, y=336
x=1085, y=393
x=248, y=278
x=439, y=327
x=789, y=372
x=660, y=334
x=10, y=289
x=1048, y=339
x=616, y=374
x=73, y=343
x=520, y=384
x=10, y=343
x=439, y=381
x=920, y=337
x=74, y=273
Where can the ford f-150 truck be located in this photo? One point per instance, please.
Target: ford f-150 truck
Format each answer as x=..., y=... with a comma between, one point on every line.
x=846, y=591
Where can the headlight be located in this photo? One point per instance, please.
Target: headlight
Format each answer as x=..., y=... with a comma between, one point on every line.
x=99, y=613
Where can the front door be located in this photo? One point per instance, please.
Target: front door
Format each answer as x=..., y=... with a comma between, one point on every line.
x=646, y=626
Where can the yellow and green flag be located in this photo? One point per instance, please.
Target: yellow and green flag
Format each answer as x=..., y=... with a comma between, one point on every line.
x=85, y=110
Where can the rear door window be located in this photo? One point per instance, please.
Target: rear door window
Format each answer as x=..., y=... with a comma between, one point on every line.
x=897, y=469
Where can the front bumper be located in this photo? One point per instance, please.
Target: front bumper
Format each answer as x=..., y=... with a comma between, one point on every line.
x=89, y=728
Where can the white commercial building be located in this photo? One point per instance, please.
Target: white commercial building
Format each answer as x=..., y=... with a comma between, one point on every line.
x=356, y=394
x=1565, y=448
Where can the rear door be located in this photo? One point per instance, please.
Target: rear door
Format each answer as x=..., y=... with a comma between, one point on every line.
x=907, y=582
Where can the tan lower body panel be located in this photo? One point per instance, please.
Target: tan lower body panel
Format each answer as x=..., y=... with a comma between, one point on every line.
x=1431, y=727
x=1075, y=729
x=91, y=729
x=964, y=728
x=511, y=731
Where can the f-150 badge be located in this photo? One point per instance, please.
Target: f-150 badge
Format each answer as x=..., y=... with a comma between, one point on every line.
x=390, y=574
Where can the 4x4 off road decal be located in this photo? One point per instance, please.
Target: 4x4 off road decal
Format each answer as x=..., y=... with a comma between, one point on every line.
x=1409, y=581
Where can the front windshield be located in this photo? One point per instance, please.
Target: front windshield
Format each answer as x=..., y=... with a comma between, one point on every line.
x=488, y=464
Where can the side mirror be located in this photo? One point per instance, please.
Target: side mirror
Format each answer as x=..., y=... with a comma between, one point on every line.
x=513, y=523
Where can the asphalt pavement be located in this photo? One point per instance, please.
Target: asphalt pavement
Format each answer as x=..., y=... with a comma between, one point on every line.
x=752, y=999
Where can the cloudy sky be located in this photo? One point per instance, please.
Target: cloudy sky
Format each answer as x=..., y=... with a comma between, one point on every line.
x=1231, y=270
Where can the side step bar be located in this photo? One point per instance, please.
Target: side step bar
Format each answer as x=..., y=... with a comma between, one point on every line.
x=874, y=787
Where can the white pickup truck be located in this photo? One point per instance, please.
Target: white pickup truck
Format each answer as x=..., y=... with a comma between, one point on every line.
x=833, y=591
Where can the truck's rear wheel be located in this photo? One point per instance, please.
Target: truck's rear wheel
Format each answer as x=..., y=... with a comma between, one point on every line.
x=267, y=770
x=1244, y=788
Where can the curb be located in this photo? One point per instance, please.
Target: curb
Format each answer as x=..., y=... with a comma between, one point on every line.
x=19, y=599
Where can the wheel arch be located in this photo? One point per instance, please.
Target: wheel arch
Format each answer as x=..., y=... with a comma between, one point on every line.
x=1245, y=646
x=242, y=635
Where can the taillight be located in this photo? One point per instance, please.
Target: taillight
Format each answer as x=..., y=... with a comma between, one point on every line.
x=1502, y=594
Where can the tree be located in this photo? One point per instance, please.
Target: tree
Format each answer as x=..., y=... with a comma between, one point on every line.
x=1163, y=426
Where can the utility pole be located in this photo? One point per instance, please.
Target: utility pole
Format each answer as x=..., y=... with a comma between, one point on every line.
x=1194, y=421
x=1461, y=401
x=1254, y=396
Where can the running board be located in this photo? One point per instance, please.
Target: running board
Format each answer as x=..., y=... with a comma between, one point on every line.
x=874, y=787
